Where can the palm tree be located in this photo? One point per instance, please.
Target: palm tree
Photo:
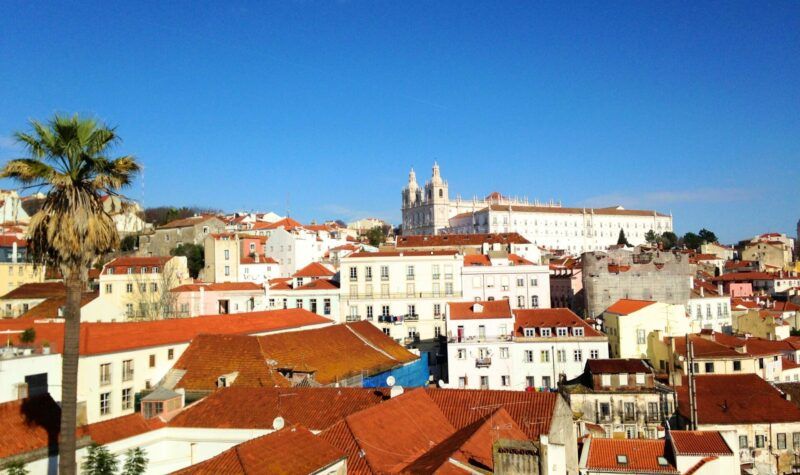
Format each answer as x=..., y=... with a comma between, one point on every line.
x=67, y=157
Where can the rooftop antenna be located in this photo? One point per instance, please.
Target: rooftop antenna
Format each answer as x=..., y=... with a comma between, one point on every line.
x=288, y=196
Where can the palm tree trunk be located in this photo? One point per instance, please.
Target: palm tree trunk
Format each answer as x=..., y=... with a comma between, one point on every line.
x=69, y=373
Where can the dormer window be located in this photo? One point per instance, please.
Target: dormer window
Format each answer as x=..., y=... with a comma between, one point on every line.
x=130, y=270
x=530, y=332
x=561, y=331
x=110, y=271
x=577, y=331
x=545, y=332
x=622, y=459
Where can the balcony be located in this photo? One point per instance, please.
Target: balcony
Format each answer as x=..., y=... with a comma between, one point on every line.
x=604, y=418
x=483, y=362
x=353, y=318
x=653, y=417
x=436, y=276
x=127, y=375
x=628, y=417
x=411, y=317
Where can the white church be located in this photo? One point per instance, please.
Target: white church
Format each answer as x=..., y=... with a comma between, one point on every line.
x=429, y=210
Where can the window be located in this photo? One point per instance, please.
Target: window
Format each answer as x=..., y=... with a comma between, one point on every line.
x=437, y=332
x=534, y=301
x=622, y=459
x=384, y=272
x=561, y=356
x=152, y=361
x=737, y=365
x=623, y=379
x=227, y=254
x=105, y=374
x=142, y=288
x=577, y=355
x=369, y=312
x=105, y=404
x=108, y=288
x=605, y=380
x=448, y=288
x=546, y=381
x=435, y=271
x=520, y=282
x=742, y=441
x=530, y=381
x=227, y=270
x=594, y=354
x=561, y=331
x=534, y=282
x=484, y=382
x=504, y=352
x=409, y=272
x=544, y=356
x=353, y=273
x=545, y=332
x=639, y=378
x=326, y=306
x=529, y=356
x=530, y=332
x=462, y=382
x=368, y=273
x=127, y=401
x=709, y=367
x=577, y=331
x=170, y=354
x=505, y=380
x=462, y=354
x=521, y=301
x=412, y=310
x=796, y=440
x=437, y=309
x=781, y=441
x=129, y=288
x=640, y=337
x=298, y=303
x=127, y=370
x=153, y=287
x=605, y=411
x=760, y=441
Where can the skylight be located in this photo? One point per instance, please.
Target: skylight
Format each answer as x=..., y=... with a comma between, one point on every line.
x=662, y=461
x=622, y=459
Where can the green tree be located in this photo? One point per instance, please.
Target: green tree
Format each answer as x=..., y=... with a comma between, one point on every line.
x=668, y=240
x=135, y=462
x=28, y=336
x=707, y=236
x=692, y=240
x=651, y=237
x=622, y=240
x=17, y=468
x=195, y=257
x=99, y=461
x=129, y=243
x=69, y=158
x=376, y=236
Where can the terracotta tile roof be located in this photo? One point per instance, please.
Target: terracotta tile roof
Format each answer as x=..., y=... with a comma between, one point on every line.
x=99, y=338
x=50, y=307
x=262, y=259
x=471, y=445
x=628, y=306
x=340, y=436
x=618, y=366
x=285, y=223
x=8, y=240
x=709, y=345
x=477, y=260
x=401, y=254
x=642, y=456
x=219, y=287
x=291, y=451
x=532, y=411
x=120, y=428
x=460, y=240
x=332, y=354
x=37, y=290
x=281, y=285
x=190, y=221
x=29, y=424
x=687, y=442
x=550, y=318
x=610, y=211
x=744, y=277
x=740, y=302
x=519, y=260
x=737, y=399
x=319, y=284
x=413, y=423
x=315, y=269
x=337, y=352
x=210, y=356
x=136, y=263
x=479, y=310
x=257, y=408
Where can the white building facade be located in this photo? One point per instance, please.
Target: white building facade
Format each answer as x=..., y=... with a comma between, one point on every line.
x=509, y=277
x=429, y=210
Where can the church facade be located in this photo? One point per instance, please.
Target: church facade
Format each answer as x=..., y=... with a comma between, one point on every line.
x=429, y=210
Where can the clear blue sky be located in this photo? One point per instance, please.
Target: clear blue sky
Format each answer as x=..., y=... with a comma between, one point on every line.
x=674, y=106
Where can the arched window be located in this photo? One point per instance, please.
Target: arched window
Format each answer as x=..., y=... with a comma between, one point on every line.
x=441, y=193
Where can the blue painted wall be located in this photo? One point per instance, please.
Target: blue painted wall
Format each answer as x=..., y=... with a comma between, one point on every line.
x=409, y=376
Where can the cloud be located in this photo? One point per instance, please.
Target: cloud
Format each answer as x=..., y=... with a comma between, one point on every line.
x=655, y=199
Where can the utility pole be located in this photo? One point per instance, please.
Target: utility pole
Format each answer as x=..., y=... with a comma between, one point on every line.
x=692, y=391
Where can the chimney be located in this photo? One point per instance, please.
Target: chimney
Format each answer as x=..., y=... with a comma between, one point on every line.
x=517, y=457
x=720, y=289
x=702, y=291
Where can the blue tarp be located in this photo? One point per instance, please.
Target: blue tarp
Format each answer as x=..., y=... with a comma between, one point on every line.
x=409, y=376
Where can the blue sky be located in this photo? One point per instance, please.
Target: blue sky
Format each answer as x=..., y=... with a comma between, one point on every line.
x=693, y=109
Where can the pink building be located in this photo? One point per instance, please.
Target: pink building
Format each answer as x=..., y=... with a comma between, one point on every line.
x=566, y=284
x=193, y=300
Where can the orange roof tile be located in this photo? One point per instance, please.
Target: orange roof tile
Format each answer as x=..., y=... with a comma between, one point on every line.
x=618, y=366
x=99, y=338
x=687, y=442
x=737, y=399
x=477, y=260
x=315, y=269
x=642, y=456
x=479, y=310
x=37, y=290
x=29, y=424
x=628, y=306
x=51, y=306
x=135, y=263
x=550, y=318
x=319, y=284
x=292, y=451
x=190, y=221
x=120, y=428
x=219, y=287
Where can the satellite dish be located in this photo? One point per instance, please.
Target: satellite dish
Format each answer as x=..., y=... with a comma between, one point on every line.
x=441, y=383
x=390, y=381
x=278, y=423
x=395, y=391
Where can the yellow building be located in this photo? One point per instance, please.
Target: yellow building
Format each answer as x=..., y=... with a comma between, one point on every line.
x=766, y=324
x=14, y=270
x=629, y=323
